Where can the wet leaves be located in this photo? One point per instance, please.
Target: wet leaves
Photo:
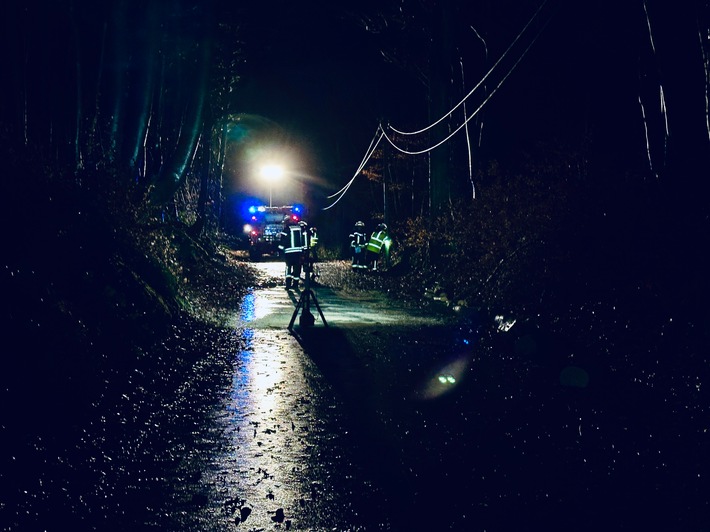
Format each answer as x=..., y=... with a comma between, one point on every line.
x=279, y=516
x=244, y=513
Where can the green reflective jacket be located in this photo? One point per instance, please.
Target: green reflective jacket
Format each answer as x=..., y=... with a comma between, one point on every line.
x=376, y=241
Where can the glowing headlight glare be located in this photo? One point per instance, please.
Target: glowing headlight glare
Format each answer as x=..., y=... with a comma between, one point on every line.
x=272, y=172
x=247, y=228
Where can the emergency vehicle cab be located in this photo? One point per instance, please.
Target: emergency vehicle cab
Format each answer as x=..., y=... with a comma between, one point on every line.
x=264, y=225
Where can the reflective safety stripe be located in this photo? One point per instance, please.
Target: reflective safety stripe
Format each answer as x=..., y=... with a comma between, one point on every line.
x=358, y=239
x=296, y=241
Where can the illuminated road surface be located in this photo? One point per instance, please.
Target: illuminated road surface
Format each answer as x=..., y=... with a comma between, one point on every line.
x=272, y=307
x=285, y=457
x=210, y=431
x=382, y=420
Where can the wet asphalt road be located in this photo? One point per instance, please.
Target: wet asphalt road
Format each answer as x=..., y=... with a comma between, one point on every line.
x=248, y=433
x=386, y=419
x=302, y=445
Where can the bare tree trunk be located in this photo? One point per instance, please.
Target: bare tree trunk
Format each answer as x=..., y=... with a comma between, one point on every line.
x=173, y=172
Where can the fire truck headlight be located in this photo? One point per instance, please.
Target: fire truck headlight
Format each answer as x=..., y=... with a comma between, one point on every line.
x=247, y=228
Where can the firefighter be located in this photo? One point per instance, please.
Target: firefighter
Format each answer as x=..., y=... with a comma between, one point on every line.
x=375, y=245
x=311, y=256
x=313, y=242
x=292, y=244
x=358, y=240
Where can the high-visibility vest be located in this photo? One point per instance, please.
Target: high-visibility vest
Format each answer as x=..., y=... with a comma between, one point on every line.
x=376, y=241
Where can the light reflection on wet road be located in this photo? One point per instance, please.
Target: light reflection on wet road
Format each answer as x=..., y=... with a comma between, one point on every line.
x=215, y=429
x=285, y=458
x=281, y=440
x=272, y=307
x=251, y=428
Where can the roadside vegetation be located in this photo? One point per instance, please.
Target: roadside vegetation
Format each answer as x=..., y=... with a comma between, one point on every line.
x=91, y=276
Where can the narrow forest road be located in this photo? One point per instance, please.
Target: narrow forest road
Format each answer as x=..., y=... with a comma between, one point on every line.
x=242, y=425
x=299, y=439
x=391, y=417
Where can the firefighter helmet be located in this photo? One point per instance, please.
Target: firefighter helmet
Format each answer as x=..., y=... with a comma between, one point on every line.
x=382, y=227
x=359, y=224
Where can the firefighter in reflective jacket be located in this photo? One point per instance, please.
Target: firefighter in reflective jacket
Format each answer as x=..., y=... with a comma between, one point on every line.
x=375, y=245
x=358, y=240
x=292, y=244
x=313, y=243
x=310, y=256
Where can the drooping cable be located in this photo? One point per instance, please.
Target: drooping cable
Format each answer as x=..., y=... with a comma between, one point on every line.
x=373, y=146
x=483, y=79
x=368, y=153
x=478, y=109
x=380, y=133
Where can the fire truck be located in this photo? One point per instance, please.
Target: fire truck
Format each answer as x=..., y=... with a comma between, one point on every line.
x=263, y=226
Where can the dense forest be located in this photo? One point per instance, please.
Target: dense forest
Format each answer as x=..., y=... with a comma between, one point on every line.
x=578, y=170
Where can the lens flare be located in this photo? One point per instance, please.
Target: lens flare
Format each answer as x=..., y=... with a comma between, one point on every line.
x=445, y=379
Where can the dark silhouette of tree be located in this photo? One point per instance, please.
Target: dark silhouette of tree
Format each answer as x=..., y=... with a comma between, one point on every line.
x=630, y=81
x=122, y=85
